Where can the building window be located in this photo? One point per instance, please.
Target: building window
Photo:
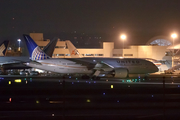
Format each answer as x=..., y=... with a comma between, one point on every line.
x=128, y=54
x=89, y=54
x=61, y=54
x=99, y=55
x=67, y=54
x=117, y=55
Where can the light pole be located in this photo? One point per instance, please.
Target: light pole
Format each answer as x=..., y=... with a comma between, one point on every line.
x=173, y=36
x=123, y=37
x=19, y=40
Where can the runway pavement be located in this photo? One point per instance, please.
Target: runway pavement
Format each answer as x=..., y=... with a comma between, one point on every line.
x=73, y=98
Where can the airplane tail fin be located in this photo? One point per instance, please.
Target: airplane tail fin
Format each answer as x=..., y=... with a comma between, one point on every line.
x=72, y=50
x=3, y=47
x=34, y=51
x=49, y=48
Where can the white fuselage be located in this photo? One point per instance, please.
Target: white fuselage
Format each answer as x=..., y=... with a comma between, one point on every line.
x=86, y=65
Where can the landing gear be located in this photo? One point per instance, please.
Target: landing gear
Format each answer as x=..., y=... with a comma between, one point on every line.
x=95, y=78
x=85, y=77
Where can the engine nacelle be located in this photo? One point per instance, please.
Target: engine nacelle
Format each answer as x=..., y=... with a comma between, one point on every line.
x=121, y=73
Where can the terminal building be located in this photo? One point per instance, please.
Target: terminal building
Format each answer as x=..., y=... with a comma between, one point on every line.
x=156, y=50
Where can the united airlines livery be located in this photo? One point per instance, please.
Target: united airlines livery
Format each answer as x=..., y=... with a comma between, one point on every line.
x=111, y=67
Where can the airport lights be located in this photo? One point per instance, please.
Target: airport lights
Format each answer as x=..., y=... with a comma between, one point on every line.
x=173, y=36
x=123, y=37
x=19, y=48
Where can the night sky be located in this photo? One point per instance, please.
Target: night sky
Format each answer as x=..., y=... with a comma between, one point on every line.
x=140, y=20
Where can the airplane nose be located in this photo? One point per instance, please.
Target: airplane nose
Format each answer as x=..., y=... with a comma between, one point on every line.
x=154, y=68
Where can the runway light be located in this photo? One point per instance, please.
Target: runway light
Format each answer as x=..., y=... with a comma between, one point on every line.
x=88, y=100
x=111, y=86
x=17, y=80
x=104, y=93
x=37, y=101
x=52, y=114
x=9, y=82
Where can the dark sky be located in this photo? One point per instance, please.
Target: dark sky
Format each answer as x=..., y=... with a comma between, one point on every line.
x=139, y=19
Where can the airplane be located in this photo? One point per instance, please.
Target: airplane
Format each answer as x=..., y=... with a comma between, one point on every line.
x=17, y=62
x=3, y=47
x=113, y=67
x=76, y=54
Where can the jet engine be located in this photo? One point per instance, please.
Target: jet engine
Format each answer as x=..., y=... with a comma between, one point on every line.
x=120, y=73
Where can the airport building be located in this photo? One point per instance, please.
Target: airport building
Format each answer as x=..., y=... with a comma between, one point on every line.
x=155, y=50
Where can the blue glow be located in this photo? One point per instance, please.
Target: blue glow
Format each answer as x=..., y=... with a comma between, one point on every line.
x=30, y=80
x=178, y=85
x=104, y=93
x=89, y=82
x=59, y=81
x=117, y=100
x=69, y=76
x=94, y=81
x=152, y=95
x=86, y=81
x=72, y=82
x=78, y=81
